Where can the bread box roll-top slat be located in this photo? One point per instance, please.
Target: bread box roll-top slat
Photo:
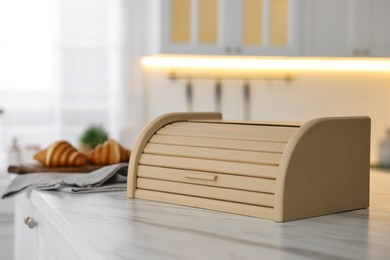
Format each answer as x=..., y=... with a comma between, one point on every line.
x=273, y=170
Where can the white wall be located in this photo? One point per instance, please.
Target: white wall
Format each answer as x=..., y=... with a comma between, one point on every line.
x=90, y=84
x=308, y=96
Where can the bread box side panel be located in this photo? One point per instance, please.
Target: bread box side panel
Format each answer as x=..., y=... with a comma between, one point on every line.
x=324, y=169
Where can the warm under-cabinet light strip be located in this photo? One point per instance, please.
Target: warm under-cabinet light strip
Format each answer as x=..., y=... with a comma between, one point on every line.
x=248, y=63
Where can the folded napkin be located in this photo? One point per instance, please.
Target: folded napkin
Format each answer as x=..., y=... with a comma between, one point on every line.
x=108, y=178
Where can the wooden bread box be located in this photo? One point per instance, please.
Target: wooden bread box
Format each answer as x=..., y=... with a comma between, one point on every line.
x=272, y=170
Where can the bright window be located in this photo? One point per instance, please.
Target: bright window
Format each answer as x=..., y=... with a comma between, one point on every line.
x=27, y=31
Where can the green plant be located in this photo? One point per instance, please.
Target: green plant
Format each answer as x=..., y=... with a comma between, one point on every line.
x=93, y=136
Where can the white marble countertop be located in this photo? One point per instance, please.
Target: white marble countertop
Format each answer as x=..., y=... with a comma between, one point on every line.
x=115, y=227
x=6, y=206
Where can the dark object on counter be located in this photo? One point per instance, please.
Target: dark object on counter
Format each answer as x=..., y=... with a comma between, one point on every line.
x=384, y=151
x=36, y=168
x=93, y=136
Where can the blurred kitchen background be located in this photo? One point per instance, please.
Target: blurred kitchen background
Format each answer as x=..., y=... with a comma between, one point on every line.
x=67, y=64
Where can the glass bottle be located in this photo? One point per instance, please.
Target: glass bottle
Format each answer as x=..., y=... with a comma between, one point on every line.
x=384, y=151
x=13, y=155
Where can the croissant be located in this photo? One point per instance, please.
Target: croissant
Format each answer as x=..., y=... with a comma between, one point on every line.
x=61, y=153
x=109, y=152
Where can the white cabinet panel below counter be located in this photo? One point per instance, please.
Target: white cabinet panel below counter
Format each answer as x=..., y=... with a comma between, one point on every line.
x=110, y=226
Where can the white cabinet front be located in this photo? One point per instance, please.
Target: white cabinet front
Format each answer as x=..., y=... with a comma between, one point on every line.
x=379, y=33
x=346, y=28
x=229, y=27
x=38, y=233
x=26, y=233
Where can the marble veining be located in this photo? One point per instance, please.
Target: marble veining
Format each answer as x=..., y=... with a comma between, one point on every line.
x=121, y=228
x=115, y=227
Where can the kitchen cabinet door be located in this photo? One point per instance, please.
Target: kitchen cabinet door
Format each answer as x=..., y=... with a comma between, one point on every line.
x=329, y=29
x=227, y=27
x=266, y=27
x=378, y=34
x=193, y=26
x=39, y=232
x=26, y=238
x=347, y=28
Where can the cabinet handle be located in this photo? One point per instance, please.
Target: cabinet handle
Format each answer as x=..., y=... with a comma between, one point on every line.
x=30, y=222
x=238, y=49
x=228, y=49
x=357, y=52
x=361, y=53
x=201, y=176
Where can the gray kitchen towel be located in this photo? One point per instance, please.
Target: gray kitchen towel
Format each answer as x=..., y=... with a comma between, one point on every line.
x=108, y=178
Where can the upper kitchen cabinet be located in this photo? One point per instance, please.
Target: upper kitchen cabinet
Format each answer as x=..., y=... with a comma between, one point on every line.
x=378, y=38
x=265, y=27
x=347, y=28
x=223, y=27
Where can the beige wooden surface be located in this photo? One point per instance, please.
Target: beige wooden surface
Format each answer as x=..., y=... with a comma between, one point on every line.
x=247, y=122
x=323, y=169
x=148, y=132
x=217, y=180
x=242, y=145
x=246, y=197
x=241, y=128
x=232, y=207
x=217, y=133
x=214, y=154
x=254, y=170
